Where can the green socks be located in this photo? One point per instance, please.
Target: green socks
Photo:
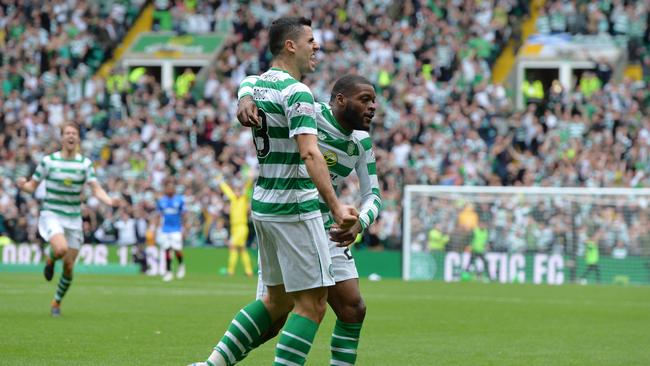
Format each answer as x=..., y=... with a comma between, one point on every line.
x=64, y=284
x=244, y=331
x=345, y=340
x=295, y=341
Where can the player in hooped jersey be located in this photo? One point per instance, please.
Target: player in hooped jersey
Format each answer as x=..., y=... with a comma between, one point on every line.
x=346, y=145
x=293, y=245
x=169, y=235
x=64, y=172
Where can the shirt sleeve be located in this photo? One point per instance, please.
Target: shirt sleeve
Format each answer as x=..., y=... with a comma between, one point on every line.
x=41, y=171
x=300, y=110
x=90, y=171
x=246, y=86
x=366, y=169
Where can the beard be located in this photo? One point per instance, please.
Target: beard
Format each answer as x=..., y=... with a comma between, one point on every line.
x=354, y=119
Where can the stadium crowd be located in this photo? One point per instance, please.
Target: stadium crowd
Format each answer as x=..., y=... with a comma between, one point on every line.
x=532, y=223
x=440, y=118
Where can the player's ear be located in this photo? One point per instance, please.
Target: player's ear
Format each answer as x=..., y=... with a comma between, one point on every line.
x=341, y=100
x=290, y=45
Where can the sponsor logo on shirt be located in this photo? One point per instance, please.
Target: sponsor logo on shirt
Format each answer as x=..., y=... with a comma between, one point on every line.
x=330, y=157
x=303, y=108
x=260, y=94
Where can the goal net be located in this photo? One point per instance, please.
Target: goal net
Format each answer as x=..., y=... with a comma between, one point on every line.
x=527, y=234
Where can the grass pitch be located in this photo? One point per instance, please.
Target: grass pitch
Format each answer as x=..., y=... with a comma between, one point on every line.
x=128, y=320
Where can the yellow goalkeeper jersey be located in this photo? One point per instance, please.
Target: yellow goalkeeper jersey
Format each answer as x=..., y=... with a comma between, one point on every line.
x=238, y=205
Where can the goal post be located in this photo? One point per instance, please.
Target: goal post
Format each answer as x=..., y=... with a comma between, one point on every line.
x=540, y=235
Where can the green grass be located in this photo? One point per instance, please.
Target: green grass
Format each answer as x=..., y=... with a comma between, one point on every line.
x=127, y=320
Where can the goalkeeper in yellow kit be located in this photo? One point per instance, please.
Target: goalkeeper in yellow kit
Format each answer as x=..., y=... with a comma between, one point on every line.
x=239, y=206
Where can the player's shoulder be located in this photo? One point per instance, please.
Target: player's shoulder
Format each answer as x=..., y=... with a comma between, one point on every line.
x=282, y=83
x=362, y=138
x=298, y=88
x=49, y=158
x=250, y=80
x=85, y=160
x=321, y=109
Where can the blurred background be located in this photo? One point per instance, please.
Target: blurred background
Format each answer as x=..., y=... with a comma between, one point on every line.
x=470, y=93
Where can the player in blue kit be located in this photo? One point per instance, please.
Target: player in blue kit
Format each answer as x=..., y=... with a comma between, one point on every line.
x=169, y=235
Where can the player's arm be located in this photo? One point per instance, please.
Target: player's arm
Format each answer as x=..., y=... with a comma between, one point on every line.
x=317, y=169
x=30, y=185
x=246, y=107
x=96, y=188
x=371, y=198
x=225, y=188
x=185, y=217
x=344, y=215
x=301, y=113
x=101, y=194
x=366, y=169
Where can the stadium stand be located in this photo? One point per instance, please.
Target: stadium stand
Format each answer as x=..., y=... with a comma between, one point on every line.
x=441, y=120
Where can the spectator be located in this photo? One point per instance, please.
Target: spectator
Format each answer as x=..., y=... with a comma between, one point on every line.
x=126, y=227
x=440, y=119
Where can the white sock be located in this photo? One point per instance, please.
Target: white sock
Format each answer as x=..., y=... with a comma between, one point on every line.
x=217, y=359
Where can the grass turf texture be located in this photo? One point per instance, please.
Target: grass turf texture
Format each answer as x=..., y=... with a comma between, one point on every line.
x=137, y=320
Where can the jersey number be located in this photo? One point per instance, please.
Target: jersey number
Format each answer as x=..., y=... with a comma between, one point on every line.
x=261, y=136
x=347, y=253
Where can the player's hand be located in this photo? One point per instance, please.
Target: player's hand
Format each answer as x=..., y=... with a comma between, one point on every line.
x=20, y=182
x=344, y=238
x=117, y=202
x=247, y=112
x=345, y=216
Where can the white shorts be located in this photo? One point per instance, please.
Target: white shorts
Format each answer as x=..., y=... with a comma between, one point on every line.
x=343, y=267
x=173, y=240
x=50, y=224
x=295, y=254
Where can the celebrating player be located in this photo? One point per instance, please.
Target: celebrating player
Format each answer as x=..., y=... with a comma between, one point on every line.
x=65, y=172
x=346, y=146
x=294, y=256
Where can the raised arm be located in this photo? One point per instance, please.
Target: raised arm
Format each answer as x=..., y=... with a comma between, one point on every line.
x=225, y=188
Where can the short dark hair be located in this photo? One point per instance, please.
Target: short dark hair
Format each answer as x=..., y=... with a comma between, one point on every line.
x=285, y=28
x=169, y=180
x=347, y=83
